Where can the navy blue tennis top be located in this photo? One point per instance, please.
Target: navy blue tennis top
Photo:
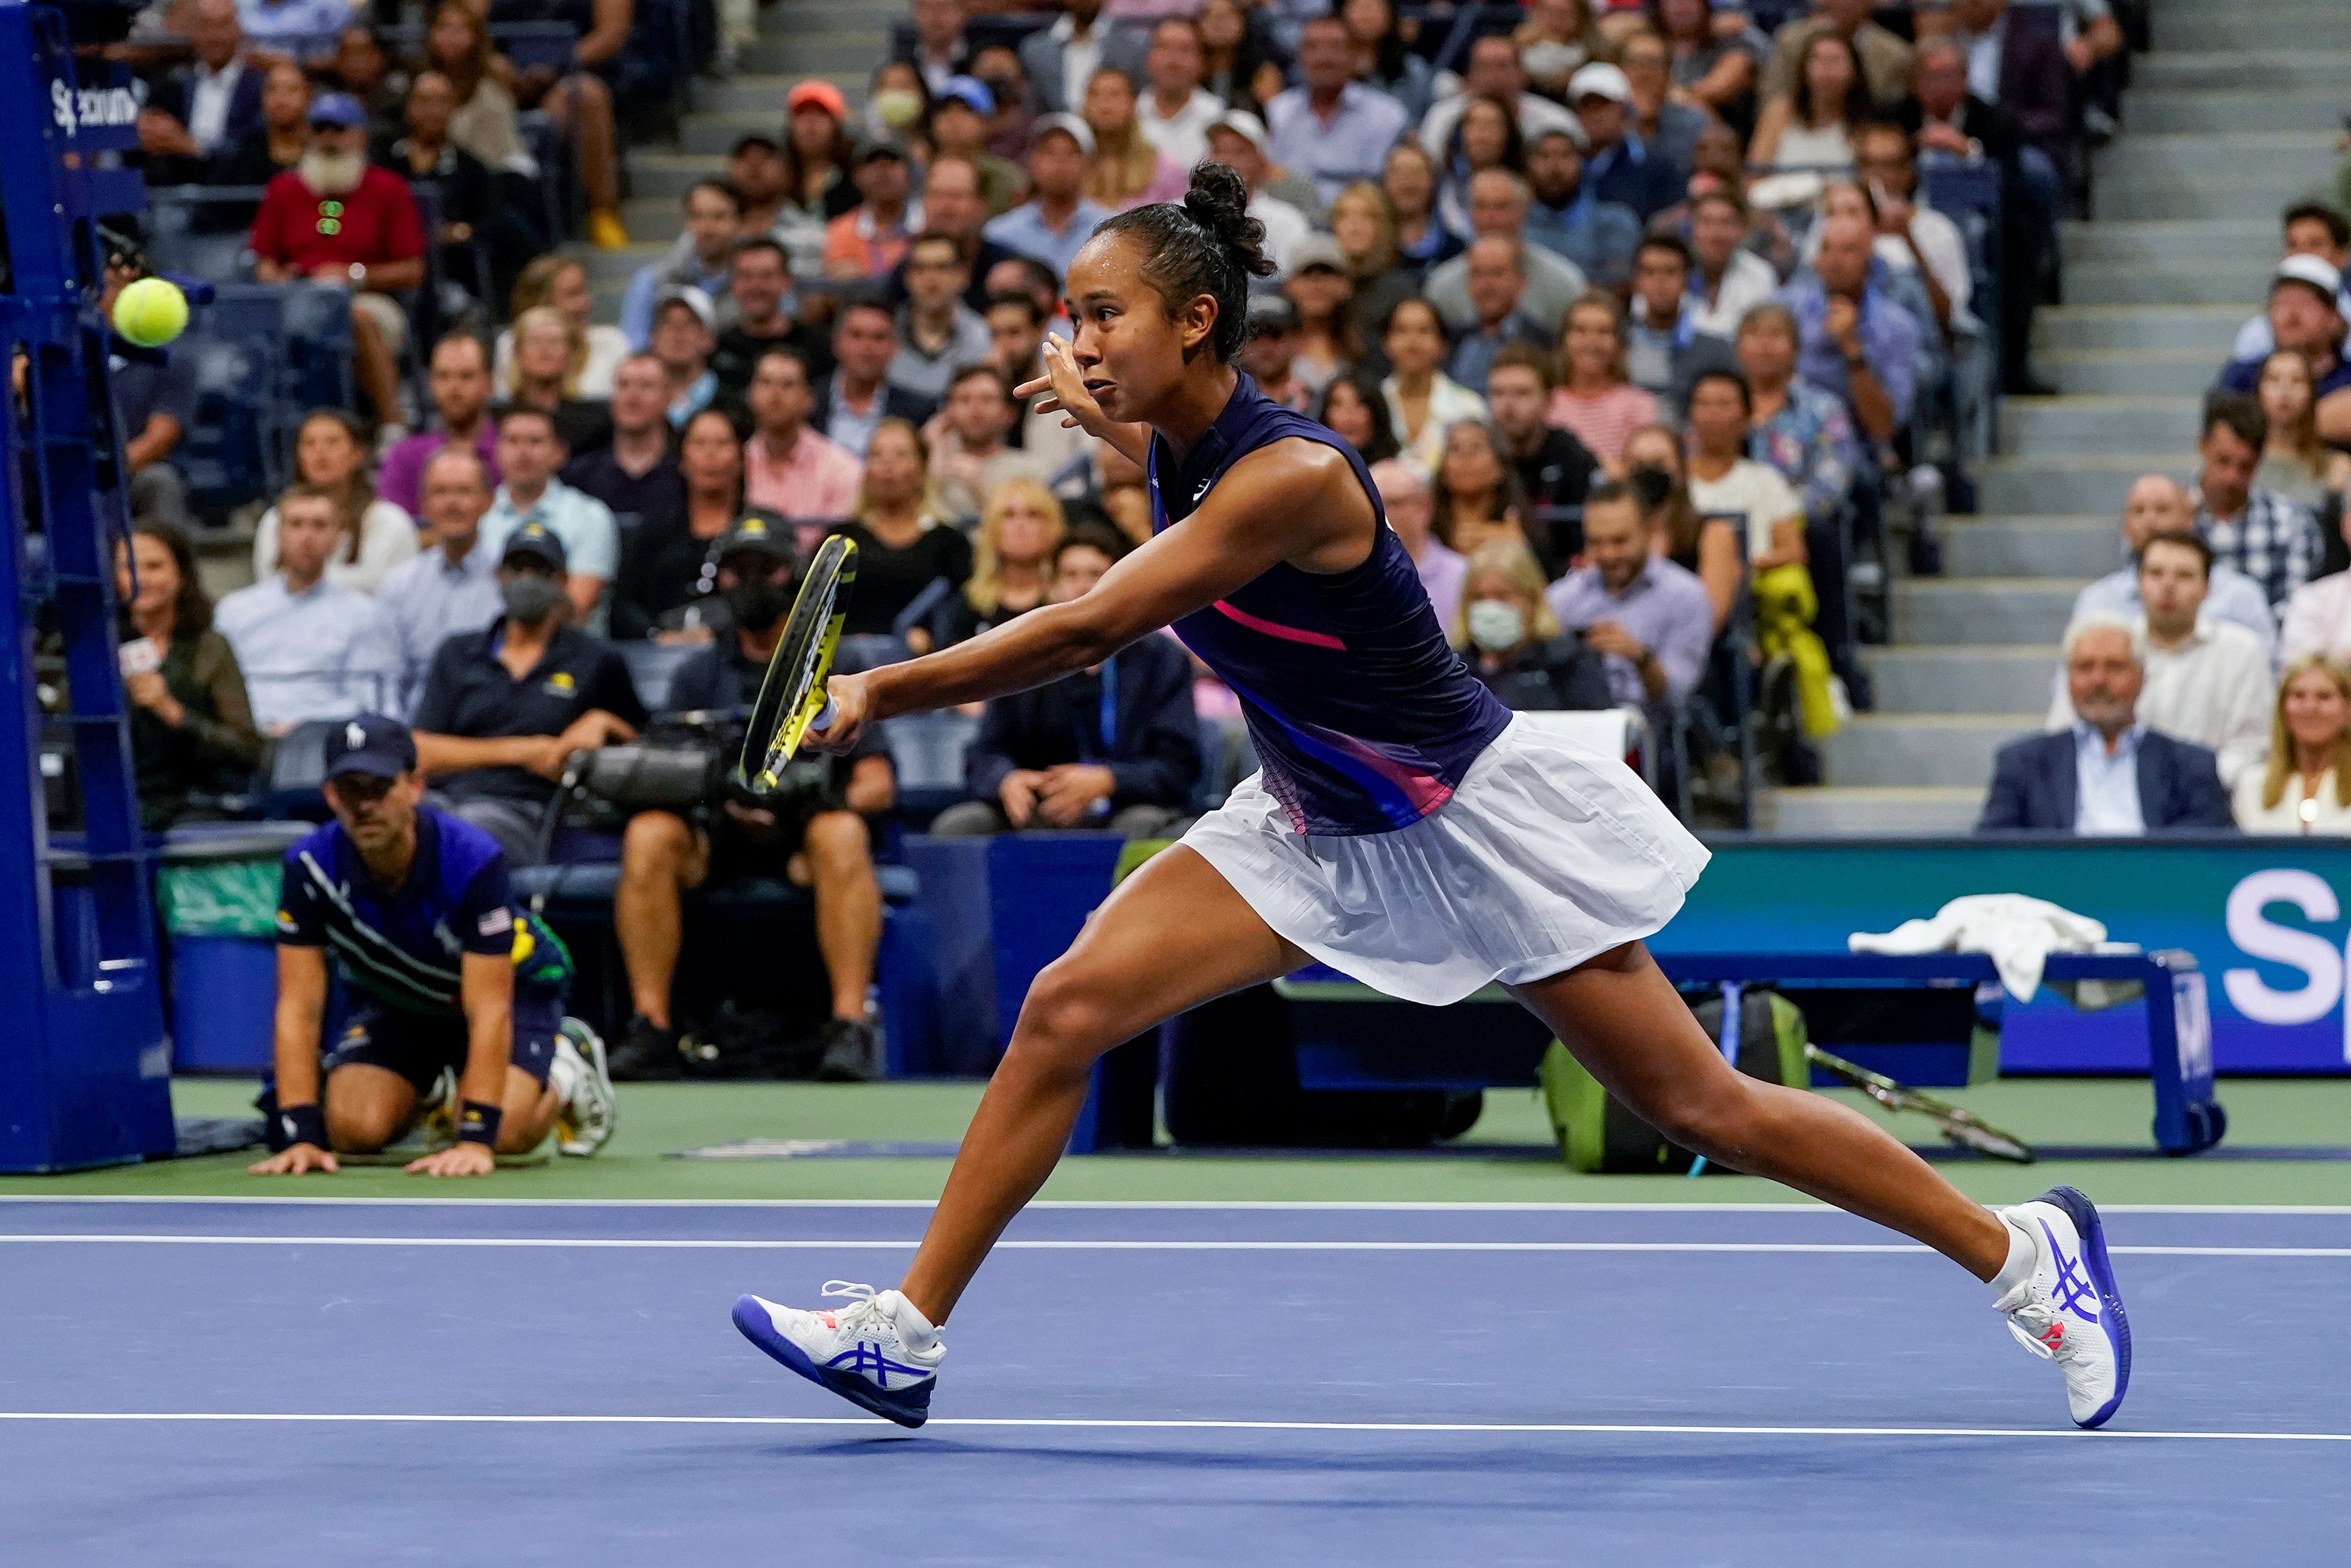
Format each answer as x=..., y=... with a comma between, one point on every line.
x=404, y=946
x=1365, y=718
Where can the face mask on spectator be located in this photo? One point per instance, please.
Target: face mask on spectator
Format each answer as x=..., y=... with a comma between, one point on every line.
x=530, y=599
x=756, y=605
x=1495, y=626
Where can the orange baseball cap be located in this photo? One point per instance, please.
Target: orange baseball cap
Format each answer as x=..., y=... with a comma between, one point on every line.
x=823, y=94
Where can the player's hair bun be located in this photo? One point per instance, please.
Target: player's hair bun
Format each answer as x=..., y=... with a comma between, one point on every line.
x=1218, y=202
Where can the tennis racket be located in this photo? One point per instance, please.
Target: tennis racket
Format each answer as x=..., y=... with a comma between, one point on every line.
x=1962, y=1129
x=792, y=699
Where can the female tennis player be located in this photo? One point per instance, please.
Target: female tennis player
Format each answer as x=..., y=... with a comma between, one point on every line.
x=1404, y=829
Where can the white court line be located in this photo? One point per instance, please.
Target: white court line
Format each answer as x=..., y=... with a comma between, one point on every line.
x=1623, y=1428
x=1208, y=1204
x=713, y=1244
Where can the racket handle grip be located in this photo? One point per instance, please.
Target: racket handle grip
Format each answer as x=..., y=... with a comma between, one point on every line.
x=825, y=714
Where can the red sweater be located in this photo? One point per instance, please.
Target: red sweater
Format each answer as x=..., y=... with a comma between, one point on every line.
x=375, y=223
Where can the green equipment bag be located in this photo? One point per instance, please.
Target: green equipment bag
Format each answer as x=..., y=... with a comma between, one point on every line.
x=1597, y=1133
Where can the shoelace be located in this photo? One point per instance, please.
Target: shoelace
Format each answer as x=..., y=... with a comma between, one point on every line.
x=2031, y=1314
x=866, y=1311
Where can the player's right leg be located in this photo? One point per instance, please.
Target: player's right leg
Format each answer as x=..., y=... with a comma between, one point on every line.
x=1173, y=935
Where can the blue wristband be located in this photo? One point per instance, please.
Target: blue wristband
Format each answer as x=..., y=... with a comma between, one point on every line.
x=478, y=1124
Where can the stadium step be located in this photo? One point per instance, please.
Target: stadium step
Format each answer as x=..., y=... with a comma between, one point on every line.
x=1959, y=678
x=1980, y=610
x=1915, y=749
x=2161, y=110
x=2214, y=239
x=1837, y=811
x=2207, y=329
x=2078, y=483
x=2154, y=372
x=2271, y=24
x=2090, y=424
x=2031, y=546
x=2161, y=277
x=2289, y=69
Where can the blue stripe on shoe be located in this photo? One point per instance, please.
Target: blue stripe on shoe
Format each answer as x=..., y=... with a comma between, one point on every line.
x=910, y=1406
x=2112, y=1319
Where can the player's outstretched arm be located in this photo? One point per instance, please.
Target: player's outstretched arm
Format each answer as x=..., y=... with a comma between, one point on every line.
x=1296, y=501
x=301, y=1011
x=487, y=992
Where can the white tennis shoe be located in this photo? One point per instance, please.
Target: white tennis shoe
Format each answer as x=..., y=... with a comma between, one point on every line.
x=877, y=1351
x=584, y=1122
x=2068, y=1309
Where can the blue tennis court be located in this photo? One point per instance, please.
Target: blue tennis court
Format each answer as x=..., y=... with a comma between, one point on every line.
x=210, y=1382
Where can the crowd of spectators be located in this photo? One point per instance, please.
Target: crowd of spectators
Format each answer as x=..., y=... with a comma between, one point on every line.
x=1642, y=315
x=2203, y=682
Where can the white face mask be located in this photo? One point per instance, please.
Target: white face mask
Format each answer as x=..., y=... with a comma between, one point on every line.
x=1495, y=626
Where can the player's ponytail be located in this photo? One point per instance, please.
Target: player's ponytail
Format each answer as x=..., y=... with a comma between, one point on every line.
x=1207, y=243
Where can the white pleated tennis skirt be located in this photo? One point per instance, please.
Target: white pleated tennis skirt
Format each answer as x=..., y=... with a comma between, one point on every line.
x=1546, y=856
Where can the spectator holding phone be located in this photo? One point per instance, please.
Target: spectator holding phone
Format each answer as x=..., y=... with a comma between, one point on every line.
x=192, y=730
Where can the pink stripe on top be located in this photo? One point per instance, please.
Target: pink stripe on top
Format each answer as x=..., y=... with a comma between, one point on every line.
x=1287, y=633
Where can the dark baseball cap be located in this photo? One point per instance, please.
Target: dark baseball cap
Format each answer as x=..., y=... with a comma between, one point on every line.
x=756, y=532
x=887, y=145
x=1272, y=316
x=373, y=744
x=539, y=541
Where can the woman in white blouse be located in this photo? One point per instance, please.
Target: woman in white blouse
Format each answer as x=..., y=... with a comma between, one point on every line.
x=2306, y=788
x=1424, y=402
x=329, y=453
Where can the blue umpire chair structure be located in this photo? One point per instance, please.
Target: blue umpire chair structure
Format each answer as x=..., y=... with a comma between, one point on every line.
x=83, y=1068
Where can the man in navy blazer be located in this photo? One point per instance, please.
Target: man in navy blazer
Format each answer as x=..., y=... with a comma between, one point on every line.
x=204, y=108
x=2109, y=774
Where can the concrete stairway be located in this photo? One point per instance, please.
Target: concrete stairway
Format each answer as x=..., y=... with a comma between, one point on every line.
x=2231, y=119
x=840, y=40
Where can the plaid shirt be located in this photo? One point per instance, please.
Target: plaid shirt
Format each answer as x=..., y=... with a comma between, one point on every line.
x=1811, y=441
x=2273, y=541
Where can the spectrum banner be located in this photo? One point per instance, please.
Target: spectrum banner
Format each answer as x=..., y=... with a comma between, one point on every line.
x=2266, y=918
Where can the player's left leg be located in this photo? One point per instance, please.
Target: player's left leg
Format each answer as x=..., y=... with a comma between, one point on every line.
x=836, y=864
x=1624, y=1020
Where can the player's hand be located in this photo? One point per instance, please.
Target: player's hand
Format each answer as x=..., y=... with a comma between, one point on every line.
x=457, y=1160
x=300, y=1159
x=1069, y=396
x=851, y=709
x=1017, y=794
x=1070, y=791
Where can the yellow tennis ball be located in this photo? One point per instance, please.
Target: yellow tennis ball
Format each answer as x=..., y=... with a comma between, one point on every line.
x=151, y=312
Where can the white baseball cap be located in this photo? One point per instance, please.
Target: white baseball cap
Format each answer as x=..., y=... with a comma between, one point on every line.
x=1599, y=79
x=2311, y=270
x=1245, y=125
x=1070, y=125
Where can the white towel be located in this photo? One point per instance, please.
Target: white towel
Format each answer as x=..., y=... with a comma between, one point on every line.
x=2017, y=932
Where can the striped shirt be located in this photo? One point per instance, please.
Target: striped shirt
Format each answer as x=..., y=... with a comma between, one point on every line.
x=1606, y=422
